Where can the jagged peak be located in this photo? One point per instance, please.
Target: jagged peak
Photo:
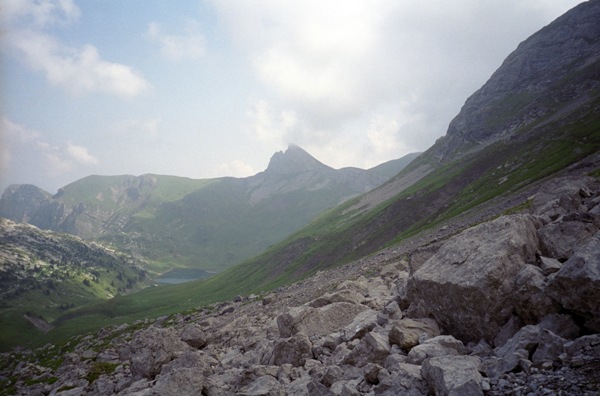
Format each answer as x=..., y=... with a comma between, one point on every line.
x=293, y=160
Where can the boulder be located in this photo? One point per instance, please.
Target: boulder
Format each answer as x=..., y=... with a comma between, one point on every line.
x=318, y=321
x=372, y=348
x=437, y=346
x=559, y=239
x=193, y=336
x=576, y=286
x=293, y=350
x=263, y=386
x=453, y=375
x=183, y=381
x=549, y=265
x=532, y=300
x=406, y=332
x=152, y=348
x=401, y=379
x=350, y=296
x=468, y=285
x=364, y=322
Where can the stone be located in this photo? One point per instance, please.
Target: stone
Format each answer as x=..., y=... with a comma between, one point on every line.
x=152, y=348
x=453, y=375
x=183, y=381
x=560, y=324
x=559, y=240
x=364, y=322
x=345, y=295
x=532, y=300
x=193, y=336
x=510, y=328
x=576, y=286
x=293, y=350
x=549, y=265
x=263, y=386
x=318, y=321
x=468, y=285
x=438, y=346
x=372, y=348
x=406, y=332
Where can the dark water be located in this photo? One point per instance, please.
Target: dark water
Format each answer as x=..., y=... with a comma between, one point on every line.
x=181, y=275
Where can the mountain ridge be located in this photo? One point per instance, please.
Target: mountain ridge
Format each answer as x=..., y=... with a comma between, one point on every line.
x=196, y=223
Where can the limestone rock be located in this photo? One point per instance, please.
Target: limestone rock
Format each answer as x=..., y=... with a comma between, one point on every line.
x=372, y=348
x=453, y=375
x=293, y=350
x=263, y=386
x=318, y=321
x=152, y=348
x=438, y=346
x=577, y=285
x=194, y=336
x=468, y=285
x=406, y=332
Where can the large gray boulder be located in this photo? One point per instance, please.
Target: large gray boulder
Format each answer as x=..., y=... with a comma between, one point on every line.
x=453, y=375
x=576, y=286
x=318, y=321
x=152, y=348
x=468, y=286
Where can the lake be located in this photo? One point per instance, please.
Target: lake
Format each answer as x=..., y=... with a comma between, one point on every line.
x=182, y=275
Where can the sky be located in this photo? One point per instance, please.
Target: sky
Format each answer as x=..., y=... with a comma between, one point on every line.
x=211, y=88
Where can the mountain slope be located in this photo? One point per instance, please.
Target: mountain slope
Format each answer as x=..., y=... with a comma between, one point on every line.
x=539, y=113
x=44, y=274
x=207, y=224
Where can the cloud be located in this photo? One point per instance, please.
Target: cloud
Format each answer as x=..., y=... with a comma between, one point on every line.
x=337, y=66
x=51, y=159
x=190, y=45
x=236, y=168
x=77, y=70
x=81, y=155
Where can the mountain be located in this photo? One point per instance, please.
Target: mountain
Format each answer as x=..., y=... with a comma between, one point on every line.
x=44, y=274
x=209, y=224
x=538, y=114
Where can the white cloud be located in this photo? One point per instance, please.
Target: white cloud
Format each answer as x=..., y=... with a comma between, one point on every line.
x=52, y=159
x=236, y=168
x=81, y=155
x=336, y=66
x=40, y=13
x=77, y=70
x=189, y=45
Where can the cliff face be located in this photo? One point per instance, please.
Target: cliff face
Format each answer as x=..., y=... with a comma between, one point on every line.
x=553, y=70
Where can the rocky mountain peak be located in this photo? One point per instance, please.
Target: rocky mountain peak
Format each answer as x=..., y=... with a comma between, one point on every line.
x=293, y=160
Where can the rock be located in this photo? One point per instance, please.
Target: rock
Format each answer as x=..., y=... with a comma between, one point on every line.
x=576, y=286
x=193, y=336
x=406, y=332
x=371, y=372
x=559, y=240
x=507, y=331
x=152, y=348
x=401, y=379
x=293, y=350
x=192, y=359
x=468, y=285
x=549, y=265
x=318, y=321
x=532, y=300
x=346, y=295
x=438, y=346
x=561, y=325
x=530, y=343
x=583, y=350
x=453, y=375
x=364, y=322
x=183, y=381
x=372, y=348
x=263, y=386
x=333, y=374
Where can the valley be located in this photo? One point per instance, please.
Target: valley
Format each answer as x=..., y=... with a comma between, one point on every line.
x=470, y=268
